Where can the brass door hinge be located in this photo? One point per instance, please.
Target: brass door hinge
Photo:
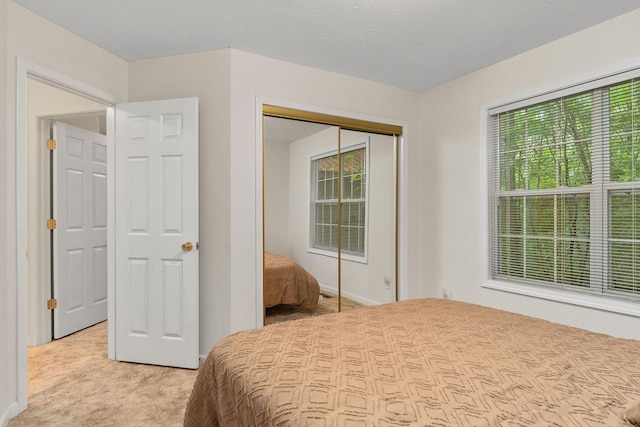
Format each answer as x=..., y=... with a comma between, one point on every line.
x=52, y=304
x=51, y=224
x=51, y=144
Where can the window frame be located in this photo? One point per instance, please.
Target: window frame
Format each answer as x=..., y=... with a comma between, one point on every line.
x=609, y=300
x=345, y=255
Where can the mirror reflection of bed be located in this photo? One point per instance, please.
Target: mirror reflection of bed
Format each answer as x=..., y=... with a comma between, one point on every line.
x=302, y=275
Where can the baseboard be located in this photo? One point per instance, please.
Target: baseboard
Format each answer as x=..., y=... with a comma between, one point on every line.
x=9, y=412
x=349, y=295
x=32, y=341
x=329, y=289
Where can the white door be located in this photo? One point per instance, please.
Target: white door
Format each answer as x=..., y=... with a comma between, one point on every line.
x=80, y=238
x=156, y=233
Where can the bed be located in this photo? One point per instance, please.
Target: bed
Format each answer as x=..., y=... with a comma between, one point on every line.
x=419, y=362
x=286, y=282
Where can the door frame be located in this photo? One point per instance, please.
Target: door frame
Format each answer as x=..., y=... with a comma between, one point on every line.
x=25, y=70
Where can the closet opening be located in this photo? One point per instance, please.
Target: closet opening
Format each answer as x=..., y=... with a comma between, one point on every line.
x=330, y=208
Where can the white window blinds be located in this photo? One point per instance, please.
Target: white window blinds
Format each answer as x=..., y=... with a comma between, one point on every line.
x=325, y=176
x=564, y=188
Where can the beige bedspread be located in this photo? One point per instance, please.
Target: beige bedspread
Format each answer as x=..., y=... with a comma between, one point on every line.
x=417, y=363
x=286, y=282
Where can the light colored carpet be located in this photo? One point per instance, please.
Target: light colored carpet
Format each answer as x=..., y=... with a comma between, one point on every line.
x=328, y=303
x=72, y=383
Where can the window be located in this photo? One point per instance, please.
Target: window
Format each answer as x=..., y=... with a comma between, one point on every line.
x=324, y=183
x=564, y=177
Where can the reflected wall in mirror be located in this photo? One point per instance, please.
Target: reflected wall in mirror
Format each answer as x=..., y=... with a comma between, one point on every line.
x=315, y=195
x=368, y=271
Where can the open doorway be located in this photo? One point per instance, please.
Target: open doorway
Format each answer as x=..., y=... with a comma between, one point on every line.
x=27, y=211
x=167, y=122
x=80, y=125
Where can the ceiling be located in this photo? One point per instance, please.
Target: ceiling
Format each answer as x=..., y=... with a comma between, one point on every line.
x=410, y=44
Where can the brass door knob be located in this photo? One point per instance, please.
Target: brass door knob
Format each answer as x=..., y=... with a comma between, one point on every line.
x=187, y=246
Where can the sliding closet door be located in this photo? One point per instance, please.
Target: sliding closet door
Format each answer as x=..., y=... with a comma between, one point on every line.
x=330, y=207
x=300, y=181
x=367, y=219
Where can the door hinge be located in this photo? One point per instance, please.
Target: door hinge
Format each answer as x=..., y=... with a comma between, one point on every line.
x=51, y=144
x=52, y=304
x=51, y=224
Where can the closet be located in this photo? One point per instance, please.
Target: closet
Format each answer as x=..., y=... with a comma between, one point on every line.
x=330, y=203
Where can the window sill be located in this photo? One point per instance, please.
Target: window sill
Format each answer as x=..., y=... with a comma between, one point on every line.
x=597, y=302
x=345, y=257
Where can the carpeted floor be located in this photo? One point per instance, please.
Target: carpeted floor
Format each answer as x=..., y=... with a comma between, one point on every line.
x=72, y=383
x=328, y=303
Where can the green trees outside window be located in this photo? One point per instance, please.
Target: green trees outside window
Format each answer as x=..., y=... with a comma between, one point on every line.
x=566, y=190
x=353, y=201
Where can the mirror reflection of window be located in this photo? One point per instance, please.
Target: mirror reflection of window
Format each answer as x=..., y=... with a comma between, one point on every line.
x=353, y=202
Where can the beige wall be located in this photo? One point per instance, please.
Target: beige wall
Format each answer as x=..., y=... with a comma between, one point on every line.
x=227, y=83
x=7, y=299
x=254, y=77
x=45, y=43
x=206, y=76
x=453, y=175
x=28, y=36
x=445, y=169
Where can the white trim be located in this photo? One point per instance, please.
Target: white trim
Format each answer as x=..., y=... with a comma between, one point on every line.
x=403, y=288
x=349, y=295
x=111, y=232
x=484, y=184
x=259, y=255
x=43, y=285
x=25, y=70
x=21, y=235
x=334, y=254
x=403, y=213
x=311, y=212
x=604, y=76
x=9, y=412
x=565, y=296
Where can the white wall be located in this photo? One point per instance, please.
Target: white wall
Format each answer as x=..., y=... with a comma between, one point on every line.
x=254, y=77
x=453, y=202
x=276, y=202
x=206, y=76
x=7, y=293
x=361, y=282
x=41, y=42
x=323, y=268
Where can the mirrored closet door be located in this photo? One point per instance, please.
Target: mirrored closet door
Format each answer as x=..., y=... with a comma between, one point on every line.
x=330, y=214
x=368, y=219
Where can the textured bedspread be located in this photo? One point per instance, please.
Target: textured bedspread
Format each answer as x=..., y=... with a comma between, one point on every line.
x=286, y=282
x=417, y=363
